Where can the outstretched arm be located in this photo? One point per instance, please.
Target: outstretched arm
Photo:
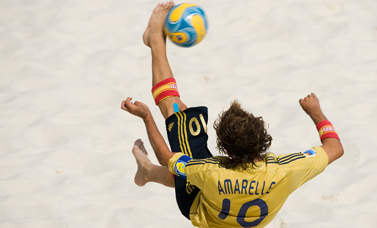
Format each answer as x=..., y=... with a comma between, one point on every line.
x=332, y=146
x=159, y=146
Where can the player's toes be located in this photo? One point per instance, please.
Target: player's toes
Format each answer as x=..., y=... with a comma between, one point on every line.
x=167, y=5
x=138, y=142
x=171, y=4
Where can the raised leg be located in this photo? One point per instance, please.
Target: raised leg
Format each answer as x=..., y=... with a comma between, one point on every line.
x=155, y=38
x=147, y=171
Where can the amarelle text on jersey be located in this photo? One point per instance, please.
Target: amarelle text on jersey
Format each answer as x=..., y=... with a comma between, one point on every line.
x=246, y=187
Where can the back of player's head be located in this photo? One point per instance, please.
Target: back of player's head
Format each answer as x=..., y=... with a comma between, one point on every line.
x=241, y=135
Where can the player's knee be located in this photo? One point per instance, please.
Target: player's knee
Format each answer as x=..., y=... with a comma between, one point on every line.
x=171, y=105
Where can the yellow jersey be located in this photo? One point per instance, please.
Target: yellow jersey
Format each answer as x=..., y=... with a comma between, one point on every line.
x=245, y=197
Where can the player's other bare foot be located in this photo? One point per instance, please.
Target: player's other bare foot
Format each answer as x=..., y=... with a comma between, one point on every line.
x=155, y=28
x=142, y=160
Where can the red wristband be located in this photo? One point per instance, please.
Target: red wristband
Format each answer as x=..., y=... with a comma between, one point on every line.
x=326, y=130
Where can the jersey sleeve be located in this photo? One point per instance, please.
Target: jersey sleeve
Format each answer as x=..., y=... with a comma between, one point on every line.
x=302, y=167
x=194, y=171
x=177, y=164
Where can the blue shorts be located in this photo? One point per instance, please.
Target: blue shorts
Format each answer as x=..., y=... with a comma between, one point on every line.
x=187, y=133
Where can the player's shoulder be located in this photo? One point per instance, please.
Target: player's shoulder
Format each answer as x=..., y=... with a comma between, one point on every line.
x=216, y=161
x=297, y=160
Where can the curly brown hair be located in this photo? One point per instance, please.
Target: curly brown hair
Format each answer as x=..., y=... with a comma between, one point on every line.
x=242, y=136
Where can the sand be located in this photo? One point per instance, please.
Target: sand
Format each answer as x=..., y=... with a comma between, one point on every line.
x=65, y=67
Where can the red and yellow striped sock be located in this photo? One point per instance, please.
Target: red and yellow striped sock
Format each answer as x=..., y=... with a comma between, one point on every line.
x=164, y=89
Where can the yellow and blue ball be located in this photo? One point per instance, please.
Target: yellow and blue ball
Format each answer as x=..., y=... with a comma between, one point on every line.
x=186, y=24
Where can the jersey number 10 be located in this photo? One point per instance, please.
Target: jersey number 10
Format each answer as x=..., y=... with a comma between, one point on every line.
x=242, y=212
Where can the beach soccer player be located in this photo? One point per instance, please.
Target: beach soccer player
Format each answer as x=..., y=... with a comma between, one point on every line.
x=245, y=188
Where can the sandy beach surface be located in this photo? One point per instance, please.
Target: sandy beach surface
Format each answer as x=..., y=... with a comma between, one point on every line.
x=65, y=67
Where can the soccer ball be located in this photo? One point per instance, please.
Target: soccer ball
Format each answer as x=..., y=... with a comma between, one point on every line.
x=186, y=24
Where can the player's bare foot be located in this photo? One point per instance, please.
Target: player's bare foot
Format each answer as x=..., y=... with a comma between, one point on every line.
x=142, y=160
x=155, y=28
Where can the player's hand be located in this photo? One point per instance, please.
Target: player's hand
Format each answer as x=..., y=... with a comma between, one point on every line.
x=310, y=104
x=136, y=108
